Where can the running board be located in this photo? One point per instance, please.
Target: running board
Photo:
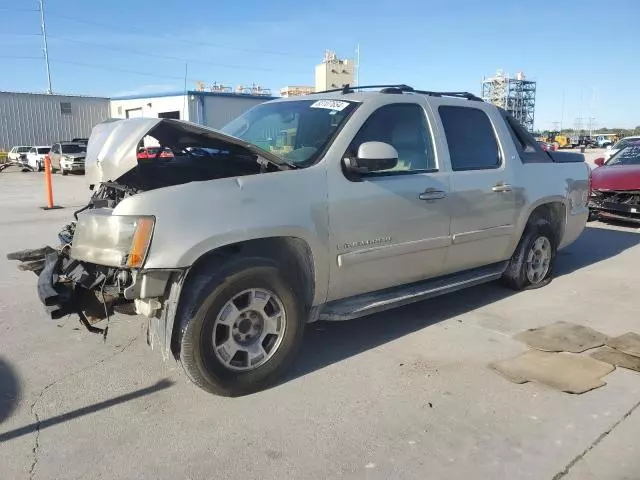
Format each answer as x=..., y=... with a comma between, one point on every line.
x=370, y=303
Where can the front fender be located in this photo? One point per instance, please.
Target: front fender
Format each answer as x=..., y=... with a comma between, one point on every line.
x=196, y=218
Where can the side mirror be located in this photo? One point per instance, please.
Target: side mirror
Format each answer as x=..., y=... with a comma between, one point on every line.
x=372, y=157
x=599, y=161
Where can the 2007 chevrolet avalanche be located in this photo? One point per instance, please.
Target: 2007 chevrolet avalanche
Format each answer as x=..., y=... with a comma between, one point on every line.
x=324, y=207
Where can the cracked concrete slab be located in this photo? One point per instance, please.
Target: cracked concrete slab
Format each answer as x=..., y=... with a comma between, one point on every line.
x=614, y=443
x=390, y=396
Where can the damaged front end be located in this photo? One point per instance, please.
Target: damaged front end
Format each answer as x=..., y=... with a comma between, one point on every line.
x=67, y=285
x=98, y=267
x=621, y=205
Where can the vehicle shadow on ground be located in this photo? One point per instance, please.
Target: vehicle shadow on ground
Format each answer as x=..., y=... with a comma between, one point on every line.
x=597, y=243
x=326, y=343
x=65, y=417
x=9, y=390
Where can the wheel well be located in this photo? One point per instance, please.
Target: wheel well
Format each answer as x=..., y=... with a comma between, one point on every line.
x=555, y=214
x=294, y=254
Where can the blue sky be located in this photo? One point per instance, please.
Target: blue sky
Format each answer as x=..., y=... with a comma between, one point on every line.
x=585, y=51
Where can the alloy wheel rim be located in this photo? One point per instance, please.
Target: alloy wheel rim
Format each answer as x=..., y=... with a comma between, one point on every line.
x=249, y=329
x=538, y=260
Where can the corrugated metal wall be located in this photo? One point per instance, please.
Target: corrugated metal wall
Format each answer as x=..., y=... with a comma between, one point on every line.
x=219, y=110
x=37, y=119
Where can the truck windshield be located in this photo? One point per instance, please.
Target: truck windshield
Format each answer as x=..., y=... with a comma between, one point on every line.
x=627, y=156
x=298, y=130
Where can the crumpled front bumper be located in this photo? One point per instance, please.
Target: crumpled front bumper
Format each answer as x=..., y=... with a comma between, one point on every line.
x=94, y=292
x=57, y=297
x=624, y=211
x=67, y=286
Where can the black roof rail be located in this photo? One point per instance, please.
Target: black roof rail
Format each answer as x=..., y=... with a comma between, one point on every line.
x=402, y=88
x=351, y=89
x=467, y=95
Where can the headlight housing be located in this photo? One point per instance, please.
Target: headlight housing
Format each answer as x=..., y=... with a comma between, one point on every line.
x=112, y=240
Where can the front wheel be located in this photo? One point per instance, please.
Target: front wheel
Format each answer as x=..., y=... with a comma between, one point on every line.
x=63, y=171
x=531, y=265
x=240, y=327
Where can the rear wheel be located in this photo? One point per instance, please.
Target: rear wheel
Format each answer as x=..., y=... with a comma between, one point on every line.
x=240, y=327
x=531, y=265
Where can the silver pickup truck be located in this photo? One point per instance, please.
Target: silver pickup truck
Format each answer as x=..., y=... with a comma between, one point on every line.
x=323, y=207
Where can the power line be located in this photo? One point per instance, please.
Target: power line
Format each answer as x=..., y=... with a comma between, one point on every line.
x=96, y=67
x=165, y=57
x=183, y=40
x=26, y=34
x=19, y=57
x=121, y=70
x=19, y=10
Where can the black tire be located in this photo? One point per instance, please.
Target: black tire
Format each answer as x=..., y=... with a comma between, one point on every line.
x=515, y=276
x=203, y=297
x=63, y=171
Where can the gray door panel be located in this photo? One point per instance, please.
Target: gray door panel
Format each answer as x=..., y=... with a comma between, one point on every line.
x=390, y=228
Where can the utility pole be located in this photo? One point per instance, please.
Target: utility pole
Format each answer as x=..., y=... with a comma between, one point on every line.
x=44, y=47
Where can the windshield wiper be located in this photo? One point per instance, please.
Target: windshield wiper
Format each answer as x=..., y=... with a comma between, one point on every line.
x=281, y=164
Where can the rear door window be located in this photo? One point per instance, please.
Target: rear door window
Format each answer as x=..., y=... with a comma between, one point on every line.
x=470, y=137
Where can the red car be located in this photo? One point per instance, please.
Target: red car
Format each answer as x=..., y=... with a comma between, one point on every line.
x=146, y=153
x=615, y=186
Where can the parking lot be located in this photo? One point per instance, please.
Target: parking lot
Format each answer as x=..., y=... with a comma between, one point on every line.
x=402, y=394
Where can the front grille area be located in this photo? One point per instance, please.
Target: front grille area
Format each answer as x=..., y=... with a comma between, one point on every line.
x=624, y=204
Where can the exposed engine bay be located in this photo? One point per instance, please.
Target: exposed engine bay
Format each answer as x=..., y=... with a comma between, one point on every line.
x=183, y=153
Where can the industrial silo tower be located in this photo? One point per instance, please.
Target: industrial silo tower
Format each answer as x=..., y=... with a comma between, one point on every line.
x=515, y=94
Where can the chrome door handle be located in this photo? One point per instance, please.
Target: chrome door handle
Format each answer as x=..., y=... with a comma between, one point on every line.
x=501, y=187
x=432, y=194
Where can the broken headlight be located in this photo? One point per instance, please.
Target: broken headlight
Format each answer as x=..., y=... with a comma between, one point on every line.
x=112, y=240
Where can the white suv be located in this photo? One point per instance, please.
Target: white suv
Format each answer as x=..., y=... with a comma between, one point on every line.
x=17, y=153
x=35, y=157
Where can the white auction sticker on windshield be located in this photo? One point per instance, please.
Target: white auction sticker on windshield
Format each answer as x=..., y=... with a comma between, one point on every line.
x=337, y=105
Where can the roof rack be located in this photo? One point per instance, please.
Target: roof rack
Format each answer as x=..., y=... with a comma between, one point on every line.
x=350, y=89
x=467, y=95
x=402, y=88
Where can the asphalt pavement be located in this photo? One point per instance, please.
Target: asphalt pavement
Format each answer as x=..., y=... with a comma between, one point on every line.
x=404, y=394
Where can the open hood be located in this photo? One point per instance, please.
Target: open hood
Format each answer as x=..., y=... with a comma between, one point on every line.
x=113, y=145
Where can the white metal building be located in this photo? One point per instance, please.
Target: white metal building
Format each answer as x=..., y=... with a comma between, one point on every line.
x=42, y=119
x=213, y=109
x=334, y=72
